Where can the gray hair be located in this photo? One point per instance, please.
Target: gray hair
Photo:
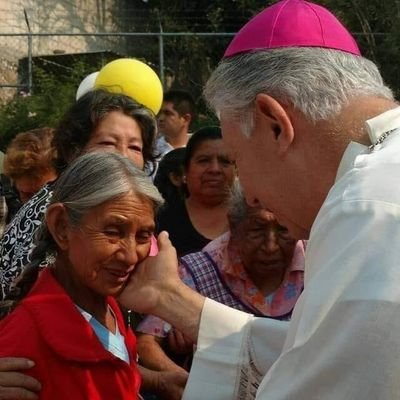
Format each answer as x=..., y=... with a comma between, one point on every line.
x=238, y=209
x=97, y=177
x=318, y=82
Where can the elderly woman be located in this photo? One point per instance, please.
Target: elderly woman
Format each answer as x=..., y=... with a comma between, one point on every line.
x=99, y=121
x=256, y=267
x=99, y=225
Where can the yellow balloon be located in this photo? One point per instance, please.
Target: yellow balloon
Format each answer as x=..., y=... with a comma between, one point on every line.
x=133, y=78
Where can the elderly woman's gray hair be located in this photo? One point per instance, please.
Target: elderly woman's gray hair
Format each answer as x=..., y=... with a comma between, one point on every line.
x=238, y=209
x=95, y=178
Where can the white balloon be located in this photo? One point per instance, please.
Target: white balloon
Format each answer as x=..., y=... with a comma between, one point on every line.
x=86, y=85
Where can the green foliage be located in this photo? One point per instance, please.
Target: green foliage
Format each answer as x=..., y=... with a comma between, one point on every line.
x=374, y=23
x=51, y=95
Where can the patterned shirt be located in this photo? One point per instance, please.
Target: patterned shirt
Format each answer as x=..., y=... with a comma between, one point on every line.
x=18, y=240
x=233, y=274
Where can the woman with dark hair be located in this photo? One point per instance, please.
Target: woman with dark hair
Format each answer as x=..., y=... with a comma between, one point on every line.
x=170, y=174
x=98, y=226
x=209, y=174
x=79, y=128
x=98, y=121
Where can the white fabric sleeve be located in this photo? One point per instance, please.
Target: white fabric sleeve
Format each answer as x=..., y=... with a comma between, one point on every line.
x=234, y=351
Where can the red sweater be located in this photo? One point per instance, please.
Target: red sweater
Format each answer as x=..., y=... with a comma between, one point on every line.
x=71, y=363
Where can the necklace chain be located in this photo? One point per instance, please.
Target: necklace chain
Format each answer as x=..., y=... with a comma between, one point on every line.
x=381, y=138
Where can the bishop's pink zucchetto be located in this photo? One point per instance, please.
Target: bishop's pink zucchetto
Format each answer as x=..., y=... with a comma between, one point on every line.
x=292, y=23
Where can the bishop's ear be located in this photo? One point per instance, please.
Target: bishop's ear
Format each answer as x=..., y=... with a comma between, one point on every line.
x=58, y=224
x=275, y=117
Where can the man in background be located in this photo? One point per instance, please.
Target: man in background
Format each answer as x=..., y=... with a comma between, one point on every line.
x=174, y=120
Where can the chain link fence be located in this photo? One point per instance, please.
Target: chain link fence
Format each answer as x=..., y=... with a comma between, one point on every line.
x=181, y=59
x=184, y=60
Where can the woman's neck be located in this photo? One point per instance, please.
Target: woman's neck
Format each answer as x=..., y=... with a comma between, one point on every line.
x=84, y=297
x=209, y=220
x=205, y=204
x=267, y=282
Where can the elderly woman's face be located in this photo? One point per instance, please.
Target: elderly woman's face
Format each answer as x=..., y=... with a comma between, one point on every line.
x=264, y=245
x=119, y=133
x=109, y=242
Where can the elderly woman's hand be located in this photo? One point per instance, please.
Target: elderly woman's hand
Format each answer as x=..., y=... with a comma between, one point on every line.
x=153, y=278
x=179, y=343
x=172, y=384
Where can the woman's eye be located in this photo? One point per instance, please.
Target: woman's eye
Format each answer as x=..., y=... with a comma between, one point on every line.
x=136, y=148
x=112, y=232
x=256, y=233
x=144, y=236
x=283, y=232
x=226, y=163
x=107, y=144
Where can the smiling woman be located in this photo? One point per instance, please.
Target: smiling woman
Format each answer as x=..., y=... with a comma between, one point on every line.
x=98, y=226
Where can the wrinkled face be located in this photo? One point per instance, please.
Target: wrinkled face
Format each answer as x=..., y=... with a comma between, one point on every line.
x=266, y=178
x=28, y=186
x=120, y=133
x=170, y=123
x=264, y=245
x=210, y=172
x=111, y=239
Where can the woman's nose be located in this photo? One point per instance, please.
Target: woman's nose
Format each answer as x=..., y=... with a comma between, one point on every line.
x=123, y=150
x=128, y=252
x=271, y=244
x=214, y=165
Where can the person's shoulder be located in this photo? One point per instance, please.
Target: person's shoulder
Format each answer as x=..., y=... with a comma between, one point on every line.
x=20, y=337
x=197, y=260
x=16, y=330
x=34, y=208
x=171, y=210
x=162, y=147
x=17, y=241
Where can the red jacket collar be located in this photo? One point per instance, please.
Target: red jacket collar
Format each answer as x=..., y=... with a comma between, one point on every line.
x=63, y=327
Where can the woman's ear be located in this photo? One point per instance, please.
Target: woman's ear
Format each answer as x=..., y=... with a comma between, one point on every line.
x=176, y=179
x=58, y=224
x=276, y=119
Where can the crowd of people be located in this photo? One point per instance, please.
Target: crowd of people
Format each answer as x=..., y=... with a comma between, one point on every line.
x=257, y=259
